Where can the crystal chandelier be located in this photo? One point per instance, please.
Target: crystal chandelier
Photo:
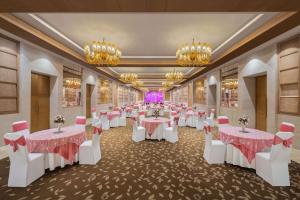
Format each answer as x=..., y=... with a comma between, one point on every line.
x=174, y=76
x=102, y=53
x=73, y=83
x=129, y=77
x=196, y=54
x=167, y=84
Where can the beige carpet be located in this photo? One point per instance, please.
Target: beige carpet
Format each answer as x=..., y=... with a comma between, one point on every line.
x=150, y=170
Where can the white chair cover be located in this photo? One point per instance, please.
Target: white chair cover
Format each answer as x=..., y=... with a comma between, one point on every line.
x=89, y=151
x=24, y=167
x=273, y=166
x=21, y=127
x=139, y=132
x=214, y=150
x=171, y=133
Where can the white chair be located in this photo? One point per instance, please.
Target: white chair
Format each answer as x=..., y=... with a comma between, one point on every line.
x=182, y=121
x=139, y=132
x=214, y=150
x=21, y=127
x=200, y=121
x=171, y=133
x=210, y=118
x=96, y=121
x=122, y=121
x=222, y=121
x=89, y=150
x=161, y=112
x=141, y=117
x=24, y=167
x=273, y=166
x=287, y=127
x=80, y=121
x=104, y=120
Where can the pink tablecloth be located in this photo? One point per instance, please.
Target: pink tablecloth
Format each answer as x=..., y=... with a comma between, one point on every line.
x=248, y=143
x=66, y=143
x=151, y=124
x=113, y=114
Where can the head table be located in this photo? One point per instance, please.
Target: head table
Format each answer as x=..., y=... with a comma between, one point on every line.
x=66, y=143
x=242, y=147
x=155, y=127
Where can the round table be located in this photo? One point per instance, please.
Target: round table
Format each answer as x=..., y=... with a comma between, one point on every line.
x=242, y=147
x=65, y=144
x=155, y=127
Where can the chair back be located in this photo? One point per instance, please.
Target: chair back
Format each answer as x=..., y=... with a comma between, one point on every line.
x=17, y=150
x=208, y=135
x=280, y=148
x=134, y=126
x=21, y=127
x=287, y=127
x=223, y=120
x=96, y=139
x=80, y=121
x=212, y=113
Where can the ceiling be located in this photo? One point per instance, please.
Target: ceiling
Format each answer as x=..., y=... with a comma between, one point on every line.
x=148, y=35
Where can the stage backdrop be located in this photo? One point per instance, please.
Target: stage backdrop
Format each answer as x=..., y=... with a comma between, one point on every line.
x=154, y=97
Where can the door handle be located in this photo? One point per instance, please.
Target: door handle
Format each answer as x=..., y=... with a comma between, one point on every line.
x=35, y=107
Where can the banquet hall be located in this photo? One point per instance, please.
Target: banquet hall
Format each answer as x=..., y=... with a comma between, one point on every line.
x=149, y=99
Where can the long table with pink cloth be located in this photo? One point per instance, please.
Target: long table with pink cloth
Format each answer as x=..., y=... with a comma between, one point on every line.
x=62, y=148
x=155, y=127
x=242, y=146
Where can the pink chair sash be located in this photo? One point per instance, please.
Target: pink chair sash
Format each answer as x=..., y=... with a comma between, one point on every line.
x=142, y=113
x=81, y=121
x=93, y=110
x=97, y=130
x=189, y=108
x=201, y=114
x=116, y=109
x=19, y=126
x=176, y=119
x=103, y=113
x=14, y=143
x=287, y=143
x=285, y=127
x=207, y=129
x=223, y=121
x=134, y=118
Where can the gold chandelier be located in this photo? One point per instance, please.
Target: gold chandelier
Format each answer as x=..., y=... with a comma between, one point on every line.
x=137, y=83
x=129, y=77
x=102, y=53
x=174, y=76
x=167, y=84
x=196, y=54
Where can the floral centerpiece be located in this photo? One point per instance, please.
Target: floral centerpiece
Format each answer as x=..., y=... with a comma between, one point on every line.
x=243, y=121
x=59, y=120
x=156, y=113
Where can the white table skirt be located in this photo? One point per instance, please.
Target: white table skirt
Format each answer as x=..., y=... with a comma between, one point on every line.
x=236, y=157
x=159, y=132
x=53, y=160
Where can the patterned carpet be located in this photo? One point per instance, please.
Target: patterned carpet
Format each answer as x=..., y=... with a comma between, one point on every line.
x=150, y=170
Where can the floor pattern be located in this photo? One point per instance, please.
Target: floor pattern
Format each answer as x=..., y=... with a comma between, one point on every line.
x=150, y=170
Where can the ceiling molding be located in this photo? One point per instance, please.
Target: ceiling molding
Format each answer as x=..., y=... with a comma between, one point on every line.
x=23, y=30
x=275, y=27
x=148, y=6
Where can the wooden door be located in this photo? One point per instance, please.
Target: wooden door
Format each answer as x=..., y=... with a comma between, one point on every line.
x=88, y=100
x=40, y=102
x=261, y=103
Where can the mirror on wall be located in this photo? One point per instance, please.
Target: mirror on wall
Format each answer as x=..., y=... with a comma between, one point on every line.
x=104, y=91
x=72, y=80
x=200, y=91
x=229, y=86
